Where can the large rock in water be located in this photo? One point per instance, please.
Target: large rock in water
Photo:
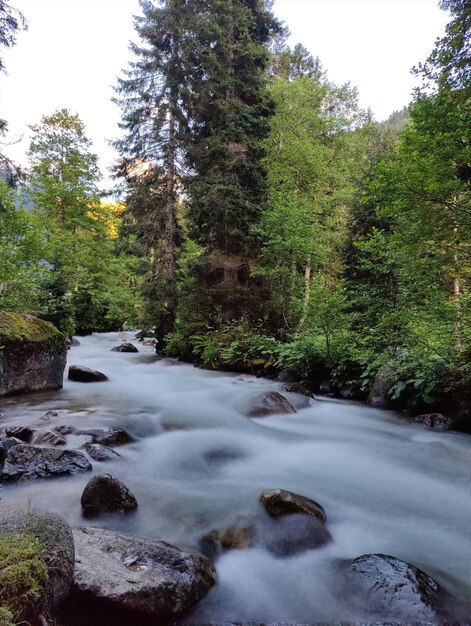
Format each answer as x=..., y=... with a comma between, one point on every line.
x=24, y=461
x=82, y=374
x=125, y=347
x=32, y=354
x=392, y=590
x=279, y=502
x=139, y=575
x=56, y=538
x=106, y=494
x=269, y=403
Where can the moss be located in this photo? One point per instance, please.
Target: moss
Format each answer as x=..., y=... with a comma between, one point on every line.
x=18, y=327
x=23, y=578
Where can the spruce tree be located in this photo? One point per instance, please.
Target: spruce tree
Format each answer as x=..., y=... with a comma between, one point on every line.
x=229, y=109
x=150, y=98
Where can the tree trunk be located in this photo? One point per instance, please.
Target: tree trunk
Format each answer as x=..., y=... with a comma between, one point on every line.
x=307, y=290
x=169, y=239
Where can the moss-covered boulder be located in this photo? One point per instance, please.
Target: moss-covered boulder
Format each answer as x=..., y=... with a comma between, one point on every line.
x=32, y=354
x=37, y=558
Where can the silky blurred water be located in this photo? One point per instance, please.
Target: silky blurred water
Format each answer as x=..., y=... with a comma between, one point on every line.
x=386, y=485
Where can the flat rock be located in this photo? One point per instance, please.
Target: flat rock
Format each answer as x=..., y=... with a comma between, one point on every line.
x=278, y=502
x=23, y=462
x=106, y=494
x=56, y=537
x=82, y=374
x=109, y=436
x=390, y=589
x=298, y=388
x=64, y=430
x=141, y=575
x=100, y=453
x=269, y=403
x=49, y=437
x=19, y=432
x=125, y=347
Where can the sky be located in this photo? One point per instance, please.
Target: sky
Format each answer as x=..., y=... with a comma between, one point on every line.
x=74, y=50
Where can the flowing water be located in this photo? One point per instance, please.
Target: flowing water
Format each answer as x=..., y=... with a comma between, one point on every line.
x=387, y=486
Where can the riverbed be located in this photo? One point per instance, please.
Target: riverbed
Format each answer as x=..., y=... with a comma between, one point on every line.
x=197, y=461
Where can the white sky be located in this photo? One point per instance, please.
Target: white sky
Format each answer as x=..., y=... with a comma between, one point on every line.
x=74, y=50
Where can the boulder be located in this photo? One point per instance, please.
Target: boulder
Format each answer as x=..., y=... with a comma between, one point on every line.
x=269, y=403
x=435, y=421
x=125, y=347
x=108, y=437
x=106, y=494
x=82, y=374
x=49, y=438
x=390, y=589
x=71, y=342
x=286, y=376
x=385, y=378
x=140, y=575
x=64, y=430
x=238, y=536
x=32, y=354
x=326, y=388
x=298, y=388
x=23, y=433
x=23, y=462
x=56, y=538
x=5, y=444
x=100, y=453
x=278, y=502
x=295, y=533
x=48, y=416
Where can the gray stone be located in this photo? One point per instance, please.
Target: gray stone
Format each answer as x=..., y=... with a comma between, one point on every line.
x=33, y=354
x=106, y=494
x=295, y=533
x=435, y=421
x=56, y=537
x=385, y=378
x=64, y=430
x=82, y=374
x=125, y=347
x=108, y=437
x=390, y=589
x=298, y=388
x=278, y=502
x=19, y=432
x=49, y=438
x=238, y=536
x=140, y=575
x=23, y=462
x=5, y=444
x=269, y=403
x=100, y=453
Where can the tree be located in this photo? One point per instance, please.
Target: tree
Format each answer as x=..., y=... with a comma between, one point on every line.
x=150, y=98
x=309, y=162
x=22, y=249
x=62, y=186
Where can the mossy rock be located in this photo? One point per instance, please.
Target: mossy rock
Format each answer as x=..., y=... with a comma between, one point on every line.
x=32, y=354
x=54, y=536
x=23, y=579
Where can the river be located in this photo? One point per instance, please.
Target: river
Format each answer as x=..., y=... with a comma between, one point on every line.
x=387, y=486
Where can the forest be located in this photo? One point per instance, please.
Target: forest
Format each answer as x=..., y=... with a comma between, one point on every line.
x=264, y=223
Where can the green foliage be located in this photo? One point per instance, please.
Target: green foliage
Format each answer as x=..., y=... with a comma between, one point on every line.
x=23, y=577
x=88, y=282
x=22, y=250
